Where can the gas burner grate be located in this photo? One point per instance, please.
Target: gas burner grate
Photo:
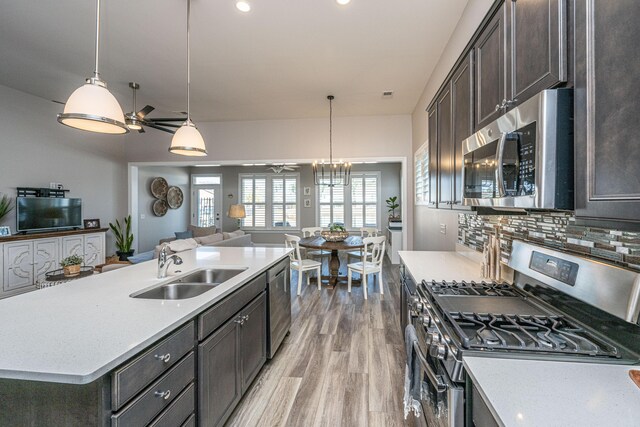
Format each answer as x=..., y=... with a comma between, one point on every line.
x=548, y=334
x=470, y=288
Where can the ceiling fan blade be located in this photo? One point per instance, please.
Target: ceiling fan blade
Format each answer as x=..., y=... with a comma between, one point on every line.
x=141, y=130
x=154, y=126
x=167, y=119
x=169, y=125
x=146, y=110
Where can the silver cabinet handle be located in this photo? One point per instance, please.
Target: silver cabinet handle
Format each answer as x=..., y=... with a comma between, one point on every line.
x=241, y=320
x=162, y=394
x=163, y=357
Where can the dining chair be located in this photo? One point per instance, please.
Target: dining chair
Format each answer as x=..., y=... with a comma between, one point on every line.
x=299, y=264
x=313, y=253
x=364, y=232
x=366, y=266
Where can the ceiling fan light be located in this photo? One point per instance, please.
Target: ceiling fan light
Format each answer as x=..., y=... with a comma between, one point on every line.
x=93, y=108
x=343, y=2
x=243, y=6
x=187, y=141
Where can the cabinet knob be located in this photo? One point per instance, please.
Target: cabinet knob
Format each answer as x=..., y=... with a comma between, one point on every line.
x=162, y=394
x=163, y=357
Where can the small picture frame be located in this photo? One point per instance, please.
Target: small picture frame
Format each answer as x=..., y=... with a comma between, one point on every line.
x=307, y=203
x=91, y=223
x=306, y=191
x=5, y=231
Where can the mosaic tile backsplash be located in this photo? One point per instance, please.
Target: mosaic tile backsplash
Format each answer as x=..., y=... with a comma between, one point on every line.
x=556, y=230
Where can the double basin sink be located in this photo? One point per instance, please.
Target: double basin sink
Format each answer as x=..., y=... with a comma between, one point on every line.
x=189, y=286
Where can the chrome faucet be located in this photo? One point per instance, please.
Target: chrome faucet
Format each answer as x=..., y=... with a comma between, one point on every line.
x=164, y=260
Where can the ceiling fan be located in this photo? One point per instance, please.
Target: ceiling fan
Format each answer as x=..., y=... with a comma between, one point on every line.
x=281, y=167
x=138, y=120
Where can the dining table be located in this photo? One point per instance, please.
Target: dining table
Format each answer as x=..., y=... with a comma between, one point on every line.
x=348, y=244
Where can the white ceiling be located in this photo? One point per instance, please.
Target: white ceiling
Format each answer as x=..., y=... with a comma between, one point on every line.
x=278, y=61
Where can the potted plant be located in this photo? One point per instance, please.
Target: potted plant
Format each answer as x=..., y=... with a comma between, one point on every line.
x=6, y=206
x=392, y=204
x=124, y=238
x=336, y=233
x=71, y=265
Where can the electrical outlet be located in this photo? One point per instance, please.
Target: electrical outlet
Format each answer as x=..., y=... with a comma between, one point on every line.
x=142, y=216
x=443, y=229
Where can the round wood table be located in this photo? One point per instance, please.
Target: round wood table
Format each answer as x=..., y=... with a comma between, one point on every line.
x=348, y=244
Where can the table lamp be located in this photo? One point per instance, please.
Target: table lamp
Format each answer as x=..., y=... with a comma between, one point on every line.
x=237, y=212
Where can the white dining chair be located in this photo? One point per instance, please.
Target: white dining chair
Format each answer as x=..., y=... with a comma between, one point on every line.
x=369, y=266
x=314, y=253
x=364, y=232
x=299, y=264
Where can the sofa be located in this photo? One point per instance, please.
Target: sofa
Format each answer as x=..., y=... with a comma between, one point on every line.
x=203, y=236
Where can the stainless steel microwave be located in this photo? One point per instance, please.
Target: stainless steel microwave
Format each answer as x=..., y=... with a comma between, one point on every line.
x=524, y=159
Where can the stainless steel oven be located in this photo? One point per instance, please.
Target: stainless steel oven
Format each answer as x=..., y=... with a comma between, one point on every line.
x=525, y=158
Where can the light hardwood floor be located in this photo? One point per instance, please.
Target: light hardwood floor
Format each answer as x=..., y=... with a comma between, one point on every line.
x=342, y=364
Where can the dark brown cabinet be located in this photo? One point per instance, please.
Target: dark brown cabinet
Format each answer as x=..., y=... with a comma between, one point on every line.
x=253, y=340
x=462, y=114
x=607, y=60
x=536, y=47
x=433, y=156
x=445, y=148
x=489, y=52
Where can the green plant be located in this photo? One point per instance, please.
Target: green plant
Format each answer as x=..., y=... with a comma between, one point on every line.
x=72, y=260
x=336, y=227
x=124, y=237
x=392, y=204
x=6, y=205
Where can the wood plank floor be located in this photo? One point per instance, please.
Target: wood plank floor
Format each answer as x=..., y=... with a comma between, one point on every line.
x=341, y=365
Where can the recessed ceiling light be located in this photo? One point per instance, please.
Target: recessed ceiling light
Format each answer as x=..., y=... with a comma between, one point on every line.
x=343, y=2
x=244, y=6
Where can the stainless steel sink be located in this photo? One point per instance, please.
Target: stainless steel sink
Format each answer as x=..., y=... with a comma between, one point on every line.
x=189, y=286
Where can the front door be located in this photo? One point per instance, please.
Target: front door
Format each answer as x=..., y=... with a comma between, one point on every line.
x=206, y=206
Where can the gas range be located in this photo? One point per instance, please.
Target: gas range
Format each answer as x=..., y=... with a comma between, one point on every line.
x=538, y=316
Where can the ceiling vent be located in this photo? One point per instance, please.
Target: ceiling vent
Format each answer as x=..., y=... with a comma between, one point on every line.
x=387, y=94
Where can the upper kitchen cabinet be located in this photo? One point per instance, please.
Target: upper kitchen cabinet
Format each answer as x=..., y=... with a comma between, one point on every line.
x=489, y=52
x=432, y=114
x=536, y=47
x=462, y=113
x=607, y=60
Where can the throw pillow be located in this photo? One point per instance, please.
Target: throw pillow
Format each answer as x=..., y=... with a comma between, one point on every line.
x=184, y=234
x=141, y=257
x=210, y=240
x=201, y=231
x=233, y=234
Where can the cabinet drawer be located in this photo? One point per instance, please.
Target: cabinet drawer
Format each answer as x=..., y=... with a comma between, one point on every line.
x=149, y=404
x=179, y=411
x=128, y=380
x=216, y=316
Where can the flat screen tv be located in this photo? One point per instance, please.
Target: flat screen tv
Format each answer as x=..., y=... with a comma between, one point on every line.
x=47, y=213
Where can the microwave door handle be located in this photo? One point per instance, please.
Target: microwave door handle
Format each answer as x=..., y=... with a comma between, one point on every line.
x=435, y=380
x=499, y=166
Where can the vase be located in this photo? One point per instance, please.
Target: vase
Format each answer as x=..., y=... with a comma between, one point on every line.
x=334, y=236
x=124, y=256
x=71, y=270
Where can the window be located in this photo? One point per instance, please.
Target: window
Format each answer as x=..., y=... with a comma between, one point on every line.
x=421, y=163
x=357, y=205
x=270, y=200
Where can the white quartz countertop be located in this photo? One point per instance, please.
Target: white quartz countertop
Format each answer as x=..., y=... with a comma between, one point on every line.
x=544, y=393
x=78, y=331
x=440, y=265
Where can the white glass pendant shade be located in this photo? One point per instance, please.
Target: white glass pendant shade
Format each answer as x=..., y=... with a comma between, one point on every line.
x=93, y=108
x=187, y=141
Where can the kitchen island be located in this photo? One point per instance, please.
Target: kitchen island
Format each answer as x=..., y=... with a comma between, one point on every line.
x=78, y=333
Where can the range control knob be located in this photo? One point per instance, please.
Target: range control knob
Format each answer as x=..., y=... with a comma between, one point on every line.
x=433, y=339
x=438, y=351
x=416, y=304
x=425, y=320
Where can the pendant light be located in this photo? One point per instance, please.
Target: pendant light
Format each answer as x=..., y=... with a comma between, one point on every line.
x=332, y=173
x=92, y=107
x=187, y=140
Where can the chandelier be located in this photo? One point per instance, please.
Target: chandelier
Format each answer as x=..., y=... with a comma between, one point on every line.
x=332, y=173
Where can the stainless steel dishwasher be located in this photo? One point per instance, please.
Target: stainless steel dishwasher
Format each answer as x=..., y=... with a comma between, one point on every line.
x=279, y=309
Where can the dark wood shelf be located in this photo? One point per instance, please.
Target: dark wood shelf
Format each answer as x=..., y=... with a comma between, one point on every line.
x=31, y=236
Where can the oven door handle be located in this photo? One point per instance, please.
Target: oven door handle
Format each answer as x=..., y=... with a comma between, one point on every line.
x=499, y=166
x=436, y=381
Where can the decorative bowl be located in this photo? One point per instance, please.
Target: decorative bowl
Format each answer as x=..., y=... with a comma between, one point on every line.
x=334, y=236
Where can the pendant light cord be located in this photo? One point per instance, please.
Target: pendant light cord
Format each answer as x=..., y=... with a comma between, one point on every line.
x=188, y=63
x=330, y=132
x=95, y=71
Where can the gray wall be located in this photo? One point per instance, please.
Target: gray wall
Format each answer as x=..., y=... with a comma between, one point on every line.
x=36, y=150
x=152, y=228
x=390, y=186
x=427, y=222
